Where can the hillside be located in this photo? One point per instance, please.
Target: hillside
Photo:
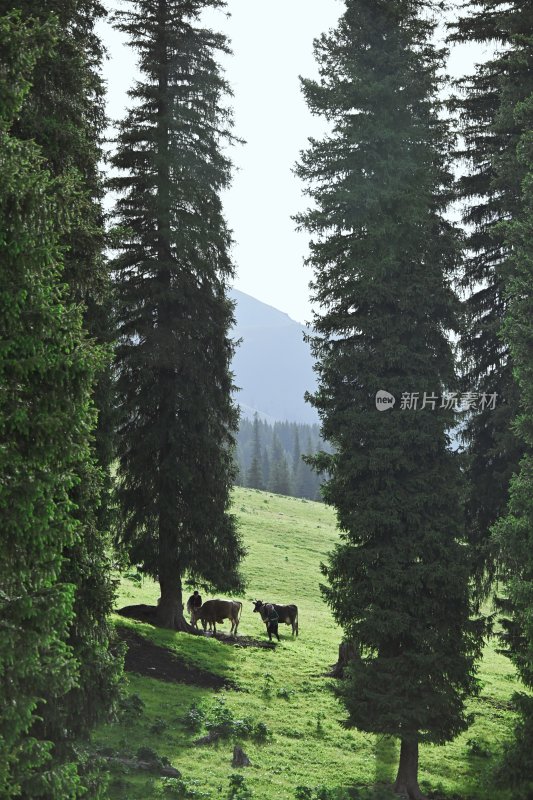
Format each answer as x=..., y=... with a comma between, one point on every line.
x=284, y=689
x=273, y=365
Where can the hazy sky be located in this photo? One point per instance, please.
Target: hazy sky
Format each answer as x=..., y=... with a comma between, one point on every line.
x=272, y=44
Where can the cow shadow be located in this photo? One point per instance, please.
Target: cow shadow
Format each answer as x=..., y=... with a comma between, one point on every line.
x=148, y=615
x=242, y=641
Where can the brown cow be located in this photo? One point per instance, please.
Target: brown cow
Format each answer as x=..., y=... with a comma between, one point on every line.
x=216, y=611
x=286, y=614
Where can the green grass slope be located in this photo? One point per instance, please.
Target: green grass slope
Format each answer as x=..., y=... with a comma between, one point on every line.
x=286, y=689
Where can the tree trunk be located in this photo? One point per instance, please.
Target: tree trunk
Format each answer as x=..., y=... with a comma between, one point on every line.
x=407, y=779
x=170, y=606
x=347, y=653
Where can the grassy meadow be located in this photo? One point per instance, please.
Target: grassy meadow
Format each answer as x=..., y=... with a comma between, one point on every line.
x=300, y=741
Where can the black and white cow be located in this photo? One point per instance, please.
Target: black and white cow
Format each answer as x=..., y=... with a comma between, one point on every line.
x=286, y=614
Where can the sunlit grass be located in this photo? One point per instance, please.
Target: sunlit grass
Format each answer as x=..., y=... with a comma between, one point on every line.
x=287, y=688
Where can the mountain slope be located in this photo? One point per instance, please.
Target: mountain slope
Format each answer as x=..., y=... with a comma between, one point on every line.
x=273, y=365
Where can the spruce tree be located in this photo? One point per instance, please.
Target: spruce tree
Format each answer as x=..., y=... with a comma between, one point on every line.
x=513, y=533
x=255, y=473
x=47, y=369
x=383, y=256
x=279, y=478
x=490, y=189
x=299, y=467
x=178, y=420
x=310, y=480
x=265, y=466
x=63, y=112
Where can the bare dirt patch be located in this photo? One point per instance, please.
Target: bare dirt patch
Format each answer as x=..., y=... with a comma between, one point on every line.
x=244, y=641
x=152, y=661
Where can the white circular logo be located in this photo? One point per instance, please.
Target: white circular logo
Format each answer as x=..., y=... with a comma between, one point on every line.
x=384, y=400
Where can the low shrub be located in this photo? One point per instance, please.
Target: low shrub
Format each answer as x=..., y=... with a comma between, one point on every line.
x=130, y=707
x=151, y=757
x=285, y=693
x=479, y=749
x=194, y=718
x=220, y=723
x=238, y=789
x=261, y=732
x=268, y=685
x=158, y=726
x=180, y=789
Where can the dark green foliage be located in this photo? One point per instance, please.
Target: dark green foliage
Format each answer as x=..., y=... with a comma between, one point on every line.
x=237, y=788
x=194, y=719
x=254, y=477
x=514, y=531
x=383, y=256
x=159, y=726
x=151, y=757
x=64, y=114
x=261, y=732
x=279, y=478
x=318, y=793
x=178, y=420
x=478, y=749
x=46, y=417
x=131, y=707
x=220, y=723
x=181, y=789
x=516, y=770
x=491, y=189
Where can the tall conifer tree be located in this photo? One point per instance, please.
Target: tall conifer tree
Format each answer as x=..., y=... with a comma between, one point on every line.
x=47, y=368
x=514, y=532
x=279, y=478
x=64, y=114
x=299, y=467
x=178, y=418
x=497, y=122
x=255, y=478
x=383, y=255
x=265, y=466
x=490, y=188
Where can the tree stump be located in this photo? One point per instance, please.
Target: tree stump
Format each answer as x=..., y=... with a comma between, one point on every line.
x=240, y=759
x=347, y=653
x=165, y=770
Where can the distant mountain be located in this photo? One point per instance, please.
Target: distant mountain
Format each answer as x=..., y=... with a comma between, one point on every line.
x=273, y=365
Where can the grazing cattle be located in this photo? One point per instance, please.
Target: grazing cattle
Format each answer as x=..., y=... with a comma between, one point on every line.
x=194, y=601
x=216, y=611
x=286, y=614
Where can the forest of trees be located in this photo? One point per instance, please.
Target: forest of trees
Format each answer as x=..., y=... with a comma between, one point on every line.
x=270, y=456
x=120, y=438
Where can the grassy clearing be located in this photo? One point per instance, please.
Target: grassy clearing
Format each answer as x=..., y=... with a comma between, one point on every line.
x=286, y=689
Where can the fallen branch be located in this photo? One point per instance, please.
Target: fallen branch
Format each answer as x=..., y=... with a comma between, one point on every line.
x=147, y=766
x=211, y=737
